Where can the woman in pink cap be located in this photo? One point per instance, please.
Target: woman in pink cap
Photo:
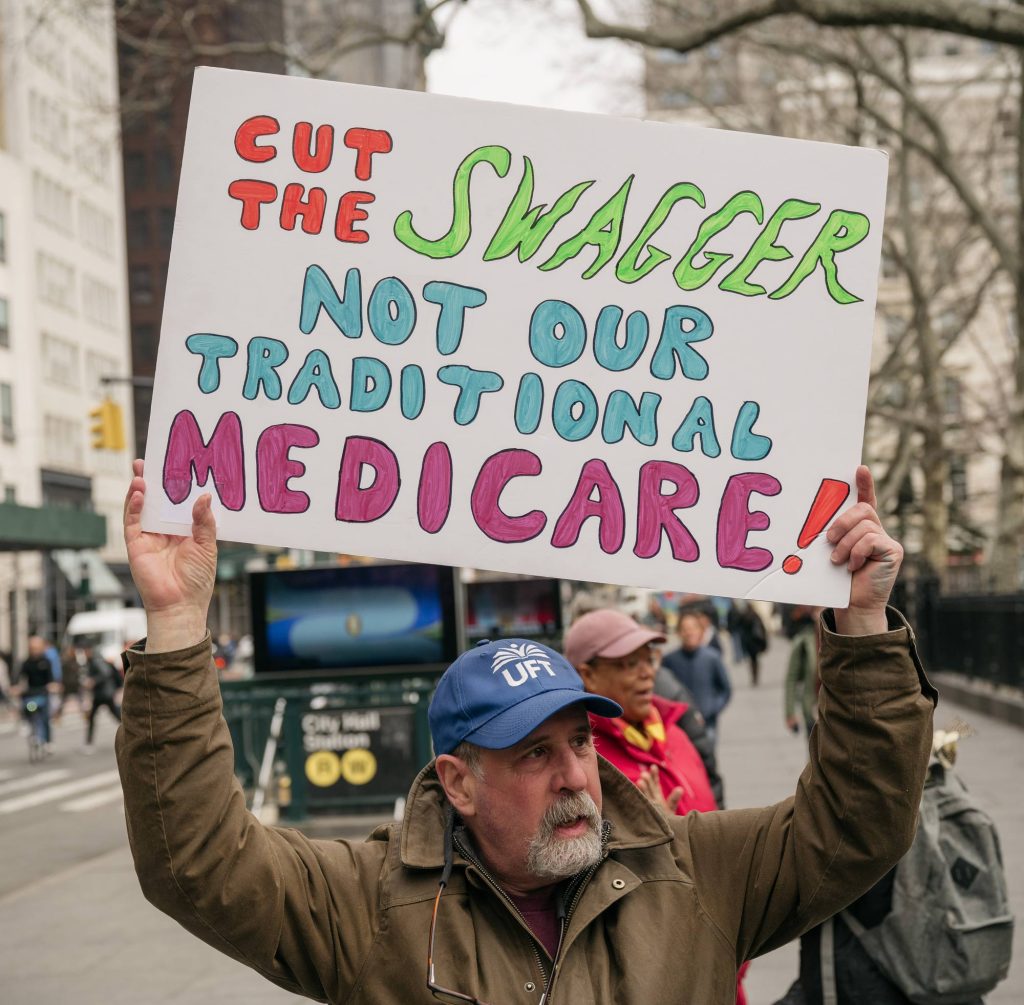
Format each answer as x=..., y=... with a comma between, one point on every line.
x=615, y=657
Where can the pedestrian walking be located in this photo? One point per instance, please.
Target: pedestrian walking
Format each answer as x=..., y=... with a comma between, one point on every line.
x=750, y=635
x=525, y=865
x=71, y=679
x=802, y=671
x=103, y=682
x=700, y=669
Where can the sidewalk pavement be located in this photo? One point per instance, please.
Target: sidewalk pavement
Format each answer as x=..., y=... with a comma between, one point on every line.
x=87, y=935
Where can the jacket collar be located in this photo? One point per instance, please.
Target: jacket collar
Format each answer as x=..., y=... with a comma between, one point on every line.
x=670, y=711
x=636, y=823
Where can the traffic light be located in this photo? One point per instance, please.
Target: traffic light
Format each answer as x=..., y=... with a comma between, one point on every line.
x=107, y=427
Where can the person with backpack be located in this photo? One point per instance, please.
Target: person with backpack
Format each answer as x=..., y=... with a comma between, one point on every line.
x=103, y=680
x=936, y=929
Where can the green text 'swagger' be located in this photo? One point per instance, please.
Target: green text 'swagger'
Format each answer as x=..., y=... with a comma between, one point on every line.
x=526, y=227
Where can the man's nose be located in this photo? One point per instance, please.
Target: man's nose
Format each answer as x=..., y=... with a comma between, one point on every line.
x=569, y=772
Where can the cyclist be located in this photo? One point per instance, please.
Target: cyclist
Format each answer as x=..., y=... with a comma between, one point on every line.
x=34, y=679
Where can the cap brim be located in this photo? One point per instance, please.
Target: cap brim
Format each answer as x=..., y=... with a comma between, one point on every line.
x=629, y=643
x=516, y=723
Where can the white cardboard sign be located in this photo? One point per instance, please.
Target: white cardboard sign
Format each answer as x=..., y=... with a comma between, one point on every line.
x=443, y=330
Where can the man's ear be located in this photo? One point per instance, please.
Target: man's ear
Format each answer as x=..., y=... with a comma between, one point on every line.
x=459, y=783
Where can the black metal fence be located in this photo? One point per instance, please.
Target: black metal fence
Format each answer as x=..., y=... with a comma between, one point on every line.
x=979, y=635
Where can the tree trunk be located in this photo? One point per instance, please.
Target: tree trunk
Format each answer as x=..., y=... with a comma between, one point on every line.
x=1006, y=562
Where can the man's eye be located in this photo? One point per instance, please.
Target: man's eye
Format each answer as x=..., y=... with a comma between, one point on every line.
x=536, y=752
x=583, y=741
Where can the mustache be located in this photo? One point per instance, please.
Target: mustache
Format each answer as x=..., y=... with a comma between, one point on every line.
x=569, y=808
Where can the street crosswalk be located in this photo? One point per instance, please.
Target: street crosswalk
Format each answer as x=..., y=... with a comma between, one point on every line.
x=55, y=786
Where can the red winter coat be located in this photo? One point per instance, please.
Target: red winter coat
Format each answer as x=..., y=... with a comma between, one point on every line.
x=679, y=765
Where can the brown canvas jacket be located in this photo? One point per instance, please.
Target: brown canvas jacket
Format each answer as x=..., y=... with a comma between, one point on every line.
x=666, y=917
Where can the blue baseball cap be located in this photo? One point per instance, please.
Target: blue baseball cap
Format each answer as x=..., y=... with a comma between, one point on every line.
x=498, y=693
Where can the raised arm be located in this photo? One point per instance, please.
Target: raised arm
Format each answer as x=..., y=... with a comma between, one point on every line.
x=873, y=557
x=174, y=575
x=302, y=913
x=765, y=876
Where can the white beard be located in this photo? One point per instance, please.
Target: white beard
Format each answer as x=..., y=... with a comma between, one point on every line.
x=551, y=857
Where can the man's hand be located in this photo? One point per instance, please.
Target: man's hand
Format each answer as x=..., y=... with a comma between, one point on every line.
x=650, y=785
x=792, y=724
x=174, y=575
x=871, y=555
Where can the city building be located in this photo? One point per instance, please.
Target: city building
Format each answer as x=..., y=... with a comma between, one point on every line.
x=63, y=319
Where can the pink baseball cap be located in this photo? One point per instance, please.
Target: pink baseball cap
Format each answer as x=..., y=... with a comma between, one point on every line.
x=608, y=633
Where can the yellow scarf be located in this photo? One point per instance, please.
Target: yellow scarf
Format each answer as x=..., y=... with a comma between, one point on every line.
x=644, y=736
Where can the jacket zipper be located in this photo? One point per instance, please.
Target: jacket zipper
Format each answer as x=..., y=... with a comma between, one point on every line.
x=580, y=885
x=511, y=903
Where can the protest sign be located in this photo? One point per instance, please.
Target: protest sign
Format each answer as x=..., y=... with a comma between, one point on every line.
x=444, y=330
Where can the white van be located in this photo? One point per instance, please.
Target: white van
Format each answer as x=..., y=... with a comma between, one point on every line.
x=108, y=631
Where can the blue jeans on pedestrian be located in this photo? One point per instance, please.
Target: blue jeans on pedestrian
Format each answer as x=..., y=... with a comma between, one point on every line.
x=42, y=713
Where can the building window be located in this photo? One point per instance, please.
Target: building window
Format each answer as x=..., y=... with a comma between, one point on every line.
x=958, y=478
x=5, y=324
x=48, y=124
x=140, y=281
x=138, y=229
x=51, y=201
x=95, y=228
x=98, y=366
x=7, y=413
x=61, y=361
x=3, y=238
x=166, y=225
x=165, y=170
x=62, y=442
x=952, y=400
x=144, y=342
x=135, y=170
x=55, y=282
x=10, y=493
x=99, y=302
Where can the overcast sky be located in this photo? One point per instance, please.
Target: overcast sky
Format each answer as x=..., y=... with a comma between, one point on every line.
x=533, y=52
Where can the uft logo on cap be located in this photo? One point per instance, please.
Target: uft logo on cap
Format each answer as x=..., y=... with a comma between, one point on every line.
x=525, y=660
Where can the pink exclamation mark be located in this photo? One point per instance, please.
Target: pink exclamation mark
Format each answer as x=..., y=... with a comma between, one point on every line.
x=831, y=495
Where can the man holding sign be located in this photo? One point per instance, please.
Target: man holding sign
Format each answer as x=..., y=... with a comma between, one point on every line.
x=526, y=869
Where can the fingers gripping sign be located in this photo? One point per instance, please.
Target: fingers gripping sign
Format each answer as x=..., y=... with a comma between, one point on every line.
x=861, y=543
x=174, y=575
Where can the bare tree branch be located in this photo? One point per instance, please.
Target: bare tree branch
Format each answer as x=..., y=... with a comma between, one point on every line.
x=973, y=18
